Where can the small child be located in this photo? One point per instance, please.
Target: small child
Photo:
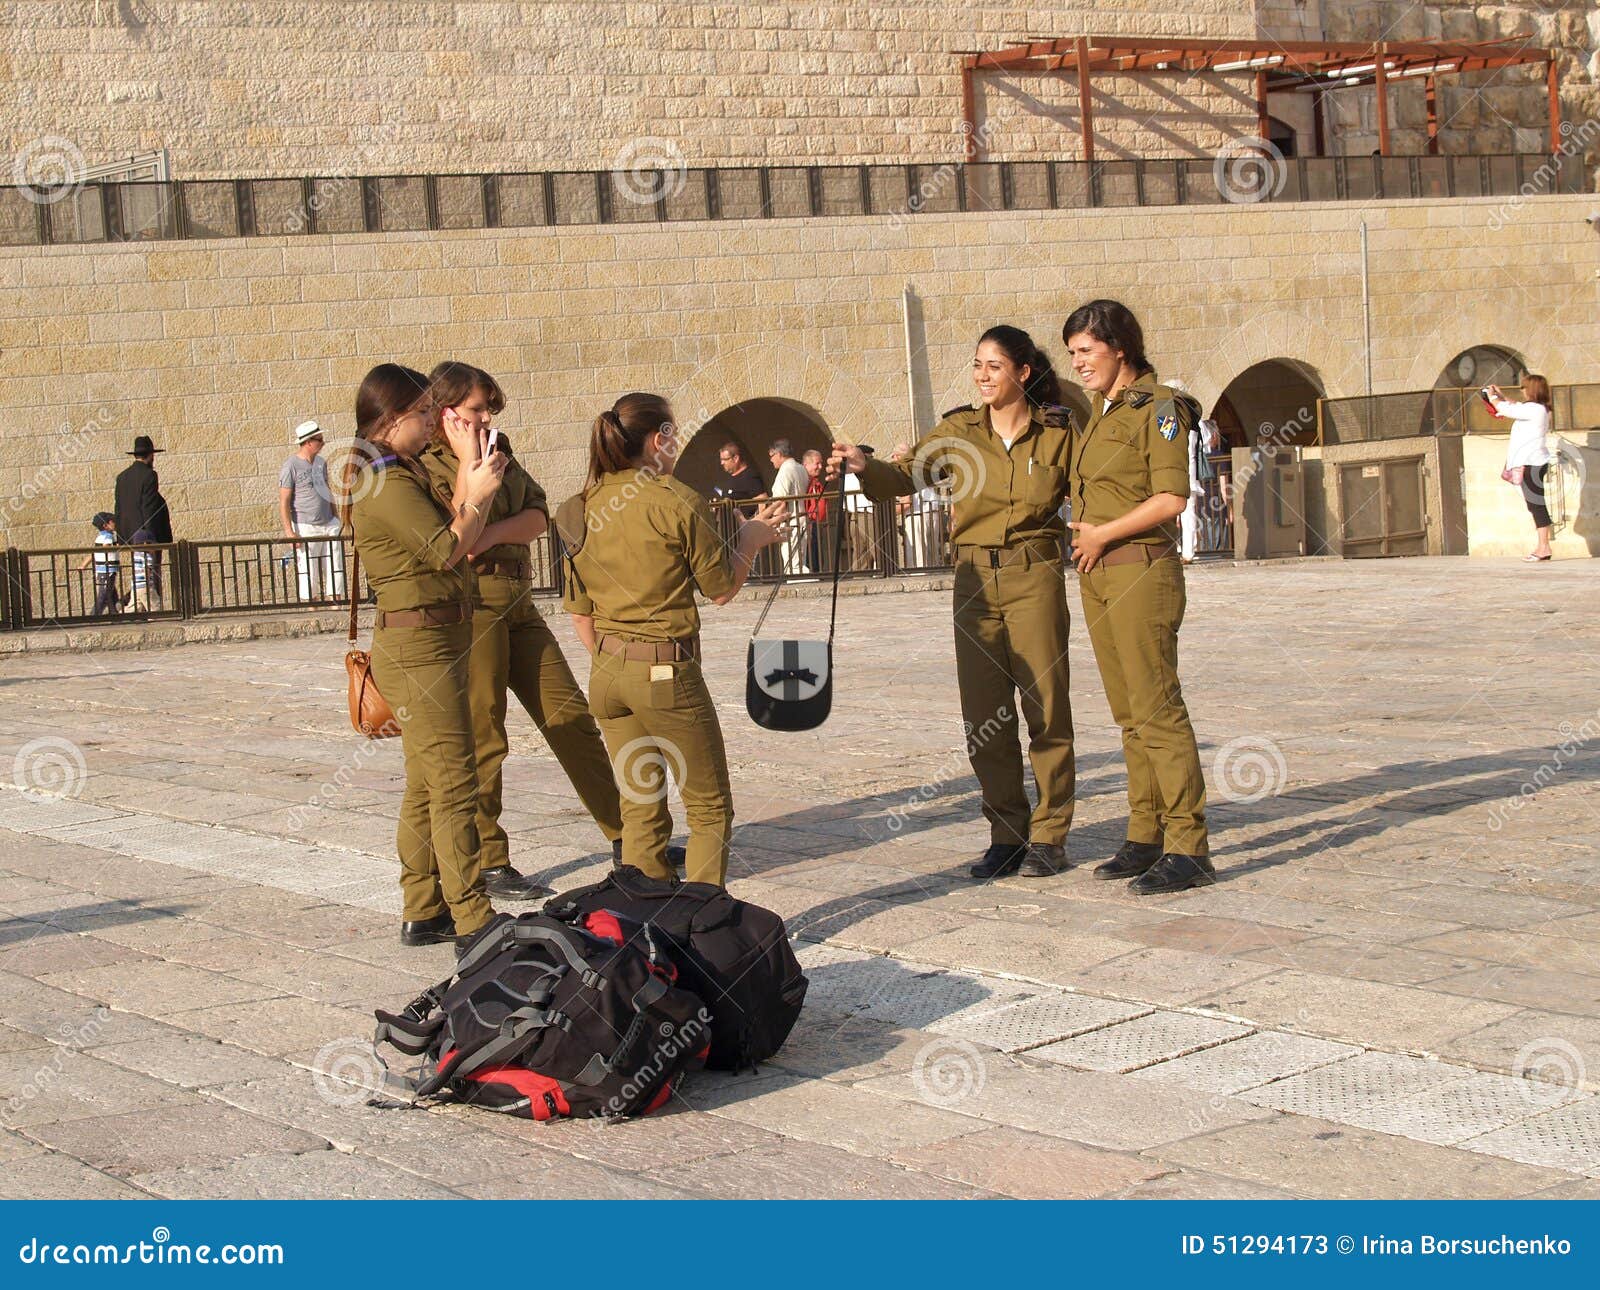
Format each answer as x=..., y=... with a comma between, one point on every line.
x=107, y=565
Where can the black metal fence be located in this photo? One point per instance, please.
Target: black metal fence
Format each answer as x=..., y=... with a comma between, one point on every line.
x=179, y=580
x=223, y=208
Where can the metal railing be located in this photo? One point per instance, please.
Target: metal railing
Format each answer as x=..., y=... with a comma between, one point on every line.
x=912, y=536
x=1426, y=413
x=228, y=208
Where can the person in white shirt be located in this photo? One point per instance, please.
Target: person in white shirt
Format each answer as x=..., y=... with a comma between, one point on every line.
x=1528, y=454
x=790, y=483
x=1203, y=439
x=305, y=506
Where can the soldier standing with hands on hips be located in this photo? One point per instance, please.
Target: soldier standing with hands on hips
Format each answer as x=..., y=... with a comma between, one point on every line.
x=1129, y=483
x=639, y=545
x=1006, y=459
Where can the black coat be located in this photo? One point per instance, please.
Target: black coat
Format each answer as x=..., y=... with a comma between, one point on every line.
x=140, y=504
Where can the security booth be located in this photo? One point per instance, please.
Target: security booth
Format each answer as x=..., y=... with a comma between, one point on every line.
x=1393, y=475
x=1270, y=514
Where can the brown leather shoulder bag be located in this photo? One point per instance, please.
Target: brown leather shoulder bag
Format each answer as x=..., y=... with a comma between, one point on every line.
x=370, y=712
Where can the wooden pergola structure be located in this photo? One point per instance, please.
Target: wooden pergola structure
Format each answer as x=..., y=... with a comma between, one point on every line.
x=1299, y=66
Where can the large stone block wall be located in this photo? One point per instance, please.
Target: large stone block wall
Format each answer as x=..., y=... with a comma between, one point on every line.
x=218, y=349
x=260, y=89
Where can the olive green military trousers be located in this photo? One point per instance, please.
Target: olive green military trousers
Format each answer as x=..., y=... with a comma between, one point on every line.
x=656, y=728
x=513, y=649
x=422, y=672
x=1011, y=658
x=1133, y=612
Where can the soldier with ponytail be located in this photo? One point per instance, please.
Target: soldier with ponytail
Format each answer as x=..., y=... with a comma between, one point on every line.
x=638, y=546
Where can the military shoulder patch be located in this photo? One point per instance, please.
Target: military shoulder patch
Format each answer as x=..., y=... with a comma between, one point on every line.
x=1135, y=397
x=1168, y=425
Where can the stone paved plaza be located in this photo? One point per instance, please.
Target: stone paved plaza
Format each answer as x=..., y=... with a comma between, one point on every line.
x=1393, y=990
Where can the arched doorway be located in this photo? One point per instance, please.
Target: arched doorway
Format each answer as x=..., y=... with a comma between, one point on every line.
x=752, y=425
x=1482, y=365
x=1268, y=406
x=1274, y=401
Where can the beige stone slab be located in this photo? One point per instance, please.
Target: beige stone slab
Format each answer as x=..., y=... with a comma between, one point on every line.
x=1030, y=1166
x=53, y=1175
x=1219, y=937
x=171, y=1137
x=276, y=1026
x=277, y=1175
x=1396, y=1017
x=1313, y=917
x=1168, y=977
x=1533, y=1036
x=1368, y=960
x=817, y=1111
x=806, y=1169
x=1038, y=953
x=189, y=1061
x=44, y=1086
x=1535, y=948
x=41, y=949
x=1197, y=1184
x=1554, y=991
x=1330, y=1161
x=1085, y=1106
x=156, y=988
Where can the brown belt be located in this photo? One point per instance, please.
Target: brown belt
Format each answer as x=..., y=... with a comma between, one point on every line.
x=521, y=570
x=1000, y=557
x=651, y=651
x=427, y=616
x=1138, y=553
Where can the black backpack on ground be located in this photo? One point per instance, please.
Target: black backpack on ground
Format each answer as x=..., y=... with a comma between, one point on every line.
x=734, y=955
x=543, y=1019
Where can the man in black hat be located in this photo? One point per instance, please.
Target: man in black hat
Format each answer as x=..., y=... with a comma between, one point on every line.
x=140, y=506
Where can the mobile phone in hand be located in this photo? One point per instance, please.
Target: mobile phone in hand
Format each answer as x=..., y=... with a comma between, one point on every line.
x=494, y=436
x=1488, y=401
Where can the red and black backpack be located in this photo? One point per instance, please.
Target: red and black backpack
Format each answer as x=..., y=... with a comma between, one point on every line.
x=543, y=1018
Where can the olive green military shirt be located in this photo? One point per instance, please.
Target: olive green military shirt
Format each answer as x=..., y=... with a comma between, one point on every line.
x=404, y=539
x=648, y=543
x=519, y=491
x=1133, y=448
x=998, y=496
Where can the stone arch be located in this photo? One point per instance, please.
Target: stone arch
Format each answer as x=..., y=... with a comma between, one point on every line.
x=1273, y=337
x=1537, y=344
x=1274, y=400
x=1481, y=365
x=752, y=424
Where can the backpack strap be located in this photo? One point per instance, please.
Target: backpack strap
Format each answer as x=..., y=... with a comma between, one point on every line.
x=516, y=1032
x=561, y=938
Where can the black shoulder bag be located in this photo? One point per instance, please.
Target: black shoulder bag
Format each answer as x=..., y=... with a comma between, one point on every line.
x=789, y=683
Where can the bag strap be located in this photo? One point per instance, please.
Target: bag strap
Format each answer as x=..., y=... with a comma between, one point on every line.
x=355, y=583
x=838, y=549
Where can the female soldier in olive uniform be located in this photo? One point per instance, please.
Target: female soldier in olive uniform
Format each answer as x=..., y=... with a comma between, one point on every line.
x=1006, y=458
x=639, y=544
x=413, y=538
x=512, y=646
x=1130, y=482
